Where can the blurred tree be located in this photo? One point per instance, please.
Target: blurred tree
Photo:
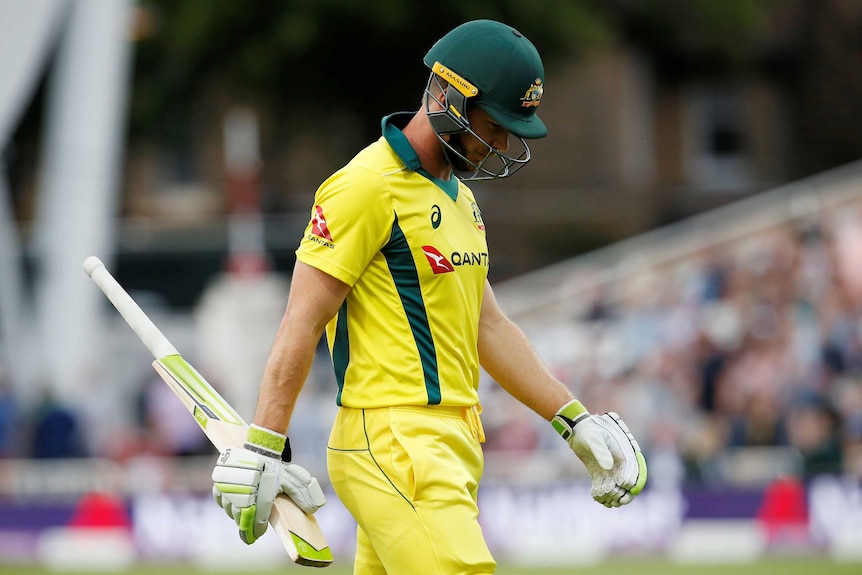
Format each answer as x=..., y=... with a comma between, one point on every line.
x=696, y=37
x=332, y=68
x=326, y=71
x=825, y=84
x=321, y=55
x=366, y=56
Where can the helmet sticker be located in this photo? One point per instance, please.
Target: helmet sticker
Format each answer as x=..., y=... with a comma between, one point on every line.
x=533, y=96
x=462, y=85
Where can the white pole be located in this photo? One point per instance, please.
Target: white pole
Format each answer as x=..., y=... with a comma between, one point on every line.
x=79, y=186
x=10, y=288
x=28, y=30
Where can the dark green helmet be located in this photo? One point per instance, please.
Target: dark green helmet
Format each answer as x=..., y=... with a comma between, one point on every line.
x=494, y=66
x=503, y=65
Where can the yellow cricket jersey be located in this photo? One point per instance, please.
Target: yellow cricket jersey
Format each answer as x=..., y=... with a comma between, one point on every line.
x=413, y=249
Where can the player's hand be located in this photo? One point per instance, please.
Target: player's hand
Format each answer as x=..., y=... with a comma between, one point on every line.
x=246, y=483
x=607, y=448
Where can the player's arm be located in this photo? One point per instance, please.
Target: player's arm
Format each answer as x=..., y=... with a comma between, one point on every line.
x=604, y=443
x=509, y=357
x=315, y=297
x=247, y=481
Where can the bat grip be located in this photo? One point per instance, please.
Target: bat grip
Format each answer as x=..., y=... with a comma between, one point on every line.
x=146, y=330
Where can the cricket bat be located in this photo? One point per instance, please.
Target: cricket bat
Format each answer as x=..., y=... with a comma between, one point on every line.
x=299, y=533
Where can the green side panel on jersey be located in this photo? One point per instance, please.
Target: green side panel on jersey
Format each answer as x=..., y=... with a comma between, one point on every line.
x=406, y=278
x=341, y=350
x=200, y=391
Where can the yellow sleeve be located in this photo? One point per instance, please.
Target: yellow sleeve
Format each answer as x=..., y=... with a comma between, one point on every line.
x=351, y=221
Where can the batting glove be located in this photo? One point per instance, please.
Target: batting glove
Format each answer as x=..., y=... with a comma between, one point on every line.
x=609, y=451
x=246, y=482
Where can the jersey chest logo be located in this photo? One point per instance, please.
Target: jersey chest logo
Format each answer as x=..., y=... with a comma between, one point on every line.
x=436, y=216
x=439, y=263
x=477, y=216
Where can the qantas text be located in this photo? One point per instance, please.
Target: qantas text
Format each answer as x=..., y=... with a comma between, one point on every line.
x=320, y=241
x=469, y=259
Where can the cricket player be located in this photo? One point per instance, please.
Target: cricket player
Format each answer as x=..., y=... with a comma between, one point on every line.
x=393, y=266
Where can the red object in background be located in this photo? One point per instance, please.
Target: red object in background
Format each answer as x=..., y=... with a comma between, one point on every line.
x=248, y=264
x=244, y=192
x=784, y=511
x=100, y=510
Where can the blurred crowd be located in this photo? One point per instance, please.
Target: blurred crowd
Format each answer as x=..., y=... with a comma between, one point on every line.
x=750, y=344
x=754, y=343
x=54, y=428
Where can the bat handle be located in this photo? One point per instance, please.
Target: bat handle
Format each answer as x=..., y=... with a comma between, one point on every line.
x=150, y=335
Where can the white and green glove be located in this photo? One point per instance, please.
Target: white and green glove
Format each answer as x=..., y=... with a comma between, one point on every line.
x=607, y=448
x=246, y=482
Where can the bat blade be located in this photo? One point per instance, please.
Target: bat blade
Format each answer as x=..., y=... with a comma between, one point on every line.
x=224, y=427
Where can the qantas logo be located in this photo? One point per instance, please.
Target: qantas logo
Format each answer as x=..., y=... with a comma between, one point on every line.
x=439, y=263
x=318, y=225
x=469, y=259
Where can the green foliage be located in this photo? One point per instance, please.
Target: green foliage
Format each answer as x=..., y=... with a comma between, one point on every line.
x=305, y=60
x=699, y=35
x=320, y=55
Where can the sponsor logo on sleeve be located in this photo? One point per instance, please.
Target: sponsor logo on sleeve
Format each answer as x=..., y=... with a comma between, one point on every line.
x=318, y=224
x=319, y=230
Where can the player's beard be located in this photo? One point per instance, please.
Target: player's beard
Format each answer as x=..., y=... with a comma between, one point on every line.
x=456, y=156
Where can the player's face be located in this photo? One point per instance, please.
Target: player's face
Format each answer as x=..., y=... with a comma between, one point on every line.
x=492, y=133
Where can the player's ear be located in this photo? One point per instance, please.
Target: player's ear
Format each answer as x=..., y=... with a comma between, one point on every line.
x=437, y=91
x=441, y=95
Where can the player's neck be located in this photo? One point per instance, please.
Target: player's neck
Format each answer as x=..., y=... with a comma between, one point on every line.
x=427, y=146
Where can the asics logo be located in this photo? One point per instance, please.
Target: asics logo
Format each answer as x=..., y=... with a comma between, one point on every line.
x=436, y=216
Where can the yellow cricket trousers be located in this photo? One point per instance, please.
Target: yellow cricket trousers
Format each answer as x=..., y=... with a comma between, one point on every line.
x=409, y=475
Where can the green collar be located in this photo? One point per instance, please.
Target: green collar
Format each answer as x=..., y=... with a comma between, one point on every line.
x=392, y=125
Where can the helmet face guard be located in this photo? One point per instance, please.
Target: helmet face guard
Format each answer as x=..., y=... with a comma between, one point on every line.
x=452, y=121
